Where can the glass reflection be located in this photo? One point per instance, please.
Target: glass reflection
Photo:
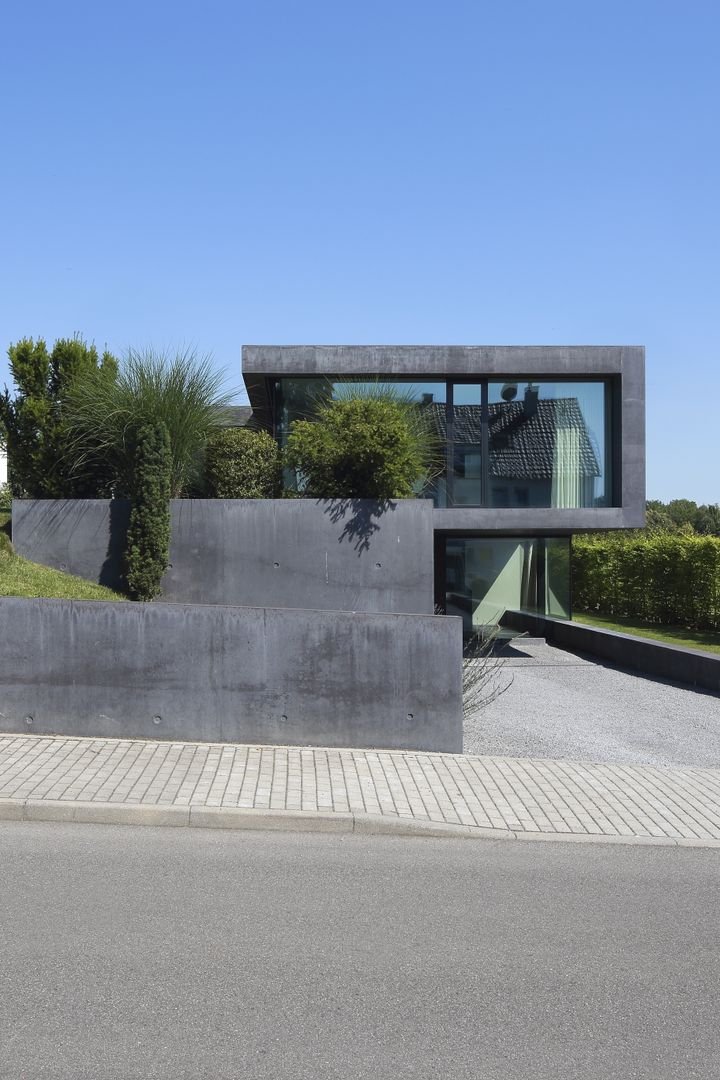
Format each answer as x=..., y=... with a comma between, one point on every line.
x=547, y=444
x=467, y=444
x=486, y=577
x=298, y=399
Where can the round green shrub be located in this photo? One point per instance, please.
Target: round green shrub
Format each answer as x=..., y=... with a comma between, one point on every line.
x=362, y=446
x=242, y=464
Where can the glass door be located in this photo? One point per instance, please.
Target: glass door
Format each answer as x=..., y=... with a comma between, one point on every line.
x=485, y=577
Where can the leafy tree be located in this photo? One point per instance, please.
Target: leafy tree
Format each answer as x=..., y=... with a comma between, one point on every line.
x=683, y=515
x=242, y=464
x=657, y=518
x=148, y=538
x=182, y=392
x=5, y=490
x=707, y=520
x=40, y=458
x=682, y=511
x=372, y=443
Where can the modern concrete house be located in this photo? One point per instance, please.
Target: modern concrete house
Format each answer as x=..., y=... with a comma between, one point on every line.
x=540, y=442
x=311, y=621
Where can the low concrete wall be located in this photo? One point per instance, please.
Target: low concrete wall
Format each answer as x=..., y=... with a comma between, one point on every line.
x=351, y=555
x=258, y=675
x=674, y=662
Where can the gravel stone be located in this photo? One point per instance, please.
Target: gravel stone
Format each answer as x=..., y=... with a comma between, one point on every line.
x=563, y=705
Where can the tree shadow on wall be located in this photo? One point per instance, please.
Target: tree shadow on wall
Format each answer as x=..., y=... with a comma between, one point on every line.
x=112, y=570
x=358, y=518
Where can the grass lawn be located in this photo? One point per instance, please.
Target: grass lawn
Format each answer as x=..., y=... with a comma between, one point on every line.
x=707, y=640
x=19, y=577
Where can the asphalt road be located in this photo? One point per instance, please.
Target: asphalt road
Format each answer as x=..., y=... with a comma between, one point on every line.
x=189, y=954
x=561, y=705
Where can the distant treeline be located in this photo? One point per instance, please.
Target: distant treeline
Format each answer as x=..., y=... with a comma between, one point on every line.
x=683, y=515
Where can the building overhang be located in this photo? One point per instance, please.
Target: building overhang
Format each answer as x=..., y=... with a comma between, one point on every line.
x=485, y=361
x=625, y=364
x=535, y=521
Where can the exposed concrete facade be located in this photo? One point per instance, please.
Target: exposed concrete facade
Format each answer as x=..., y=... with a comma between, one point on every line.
x=212, y=673
x=535, y=520
x=445, y=360
x=623, y=364
x=341, y=555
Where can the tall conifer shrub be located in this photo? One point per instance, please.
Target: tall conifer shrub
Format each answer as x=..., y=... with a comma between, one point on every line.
x=148, y=539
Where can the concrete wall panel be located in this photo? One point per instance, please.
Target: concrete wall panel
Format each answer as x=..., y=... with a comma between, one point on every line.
x=651, y=657
x=353, y=555
x=214, y=673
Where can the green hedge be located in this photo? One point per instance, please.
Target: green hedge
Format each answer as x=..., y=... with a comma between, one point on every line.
x=664, y=578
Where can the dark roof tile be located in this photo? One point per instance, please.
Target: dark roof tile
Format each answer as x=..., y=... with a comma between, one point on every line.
x=522, y=437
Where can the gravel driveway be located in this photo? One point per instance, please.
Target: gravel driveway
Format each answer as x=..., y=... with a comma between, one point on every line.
x=561, y=705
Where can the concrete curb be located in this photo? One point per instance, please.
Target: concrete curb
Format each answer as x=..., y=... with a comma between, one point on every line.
x=252, y=819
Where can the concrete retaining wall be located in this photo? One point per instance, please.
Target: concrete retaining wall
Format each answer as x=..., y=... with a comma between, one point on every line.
x=214, y=673
x=641, y=654
x=352, y=555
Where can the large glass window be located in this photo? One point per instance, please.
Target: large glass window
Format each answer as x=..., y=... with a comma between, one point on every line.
x=297, y=399
x=487, y=576
x=518, y=443
x=547, y=444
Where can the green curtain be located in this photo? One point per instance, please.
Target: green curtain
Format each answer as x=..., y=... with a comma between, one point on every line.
x=567, y=478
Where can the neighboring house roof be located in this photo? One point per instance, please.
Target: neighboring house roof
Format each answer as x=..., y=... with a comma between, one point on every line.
x=238, y=415
x=522, y=436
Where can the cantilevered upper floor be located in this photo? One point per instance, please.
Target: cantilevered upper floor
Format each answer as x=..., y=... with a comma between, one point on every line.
x=547, y=440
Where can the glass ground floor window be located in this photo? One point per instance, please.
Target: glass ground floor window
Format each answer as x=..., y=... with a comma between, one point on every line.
x=483, y=577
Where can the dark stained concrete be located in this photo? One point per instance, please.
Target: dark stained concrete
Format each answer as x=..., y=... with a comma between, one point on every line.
x=345, y=555
x=231, y=674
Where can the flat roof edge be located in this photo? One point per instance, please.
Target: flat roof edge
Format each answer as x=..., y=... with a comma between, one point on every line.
x=443, y=360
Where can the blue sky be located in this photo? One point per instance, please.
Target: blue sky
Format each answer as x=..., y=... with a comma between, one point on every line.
x=377, y=172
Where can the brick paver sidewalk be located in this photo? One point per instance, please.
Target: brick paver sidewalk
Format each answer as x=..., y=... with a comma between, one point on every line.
x=522, y=796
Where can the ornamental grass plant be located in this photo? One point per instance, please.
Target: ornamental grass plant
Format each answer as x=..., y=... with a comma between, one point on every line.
x=183, y=392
